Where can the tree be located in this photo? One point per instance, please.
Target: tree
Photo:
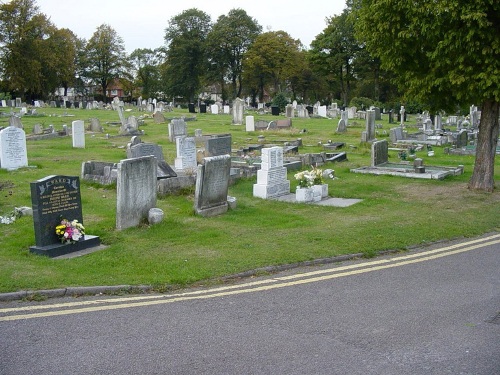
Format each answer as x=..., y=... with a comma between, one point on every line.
x=446, y=51
x=106, y=57
x=146, y=68
x=271, y=61
x=227, y=42
x=334, y=52
x=186, y=59
x=24, y=49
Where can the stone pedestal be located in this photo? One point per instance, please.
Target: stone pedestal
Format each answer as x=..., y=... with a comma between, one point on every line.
x=304, y=194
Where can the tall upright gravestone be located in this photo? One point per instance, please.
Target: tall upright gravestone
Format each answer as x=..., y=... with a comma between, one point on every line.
x=53, y=199
x=212, y=184
x=13, y=154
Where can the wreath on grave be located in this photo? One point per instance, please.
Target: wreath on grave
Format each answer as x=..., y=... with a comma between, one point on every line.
x=70, y=231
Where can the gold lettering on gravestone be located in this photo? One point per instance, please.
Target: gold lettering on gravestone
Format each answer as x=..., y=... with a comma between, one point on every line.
x=60, y=200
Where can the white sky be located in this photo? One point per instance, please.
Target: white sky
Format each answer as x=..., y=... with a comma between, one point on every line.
x=142, y=23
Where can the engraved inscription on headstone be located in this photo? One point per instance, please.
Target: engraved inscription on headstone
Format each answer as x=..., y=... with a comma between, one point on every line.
x=54, y=198
x=13, y=153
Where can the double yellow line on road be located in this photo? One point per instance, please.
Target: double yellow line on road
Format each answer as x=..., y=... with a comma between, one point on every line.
x=57, y=309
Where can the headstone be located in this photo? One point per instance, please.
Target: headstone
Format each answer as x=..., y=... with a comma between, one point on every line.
x=158, y=117
x=37, y=129
x=438, y=122
x=462, y=139
x=249, y=124
x=95, y=125
x=227, y=110
x=322, y=111
x=238, y=107
x=391, y=116
x=351, y=112
x=402, y=115
x=13, y=151
x=284, y=123
x=78, y=132
x=261, y=125
x=177, y=128
x=4, y=103
x=135, y=190
x=186, y=153
x=218, y=145
x=191, y=108
x=203, y=108
x=272, y=177
x=15, y=121
x=275, y=111
x=289, y=110
x=379, y=153
x=137, y=149
x=212, y=183
x=53, y=199
x=378, y=115
x=344, y=116
x=214, y=108
x=369, y=134
x=341, y=127
x=396, y=134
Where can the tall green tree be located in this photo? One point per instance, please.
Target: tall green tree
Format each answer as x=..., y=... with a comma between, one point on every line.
x=106, y=57
x=446, y=51
x=24, y=52
x=334, y=52
x=186, y=64
x=146, y=69
x=271, y=62
x=227, y=42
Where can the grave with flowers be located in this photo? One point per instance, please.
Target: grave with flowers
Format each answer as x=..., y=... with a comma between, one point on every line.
x=57, y=217
x=311, y=186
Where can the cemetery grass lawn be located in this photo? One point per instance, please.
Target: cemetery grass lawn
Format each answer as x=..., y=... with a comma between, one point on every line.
x=395, y=214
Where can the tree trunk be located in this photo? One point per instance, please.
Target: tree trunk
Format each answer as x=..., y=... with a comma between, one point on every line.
x=483, y=174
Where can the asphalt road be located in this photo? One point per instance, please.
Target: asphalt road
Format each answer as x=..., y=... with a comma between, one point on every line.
x=432, y=311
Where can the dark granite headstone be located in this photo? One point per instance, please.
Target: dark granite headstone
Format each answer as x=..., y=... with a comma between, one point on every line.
x=191, y=108
x=203, y=108
x=275, y=111
x=55, y=198
x=218, y=145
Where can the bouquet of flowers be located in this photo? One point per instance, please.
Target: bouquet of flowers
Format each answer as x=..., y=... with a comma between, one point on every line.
x=317, y=176
x=305, y=179
x=70, y=231
x=310, y=178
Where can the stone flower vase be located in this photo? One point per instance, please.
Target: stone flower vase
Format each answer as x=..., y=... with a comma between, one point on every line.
x=321, y=190
x=304, y=194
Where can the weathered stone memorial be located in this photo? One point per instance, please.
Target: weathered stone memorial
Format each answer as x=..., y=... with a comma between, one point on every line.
x=176, y=128
x=78, y=133
x=238, y=107
x=135, y=190
x=136, y=149
x=186, y=154
x=57, y=198
x=13, y=152
x=219, y=144
x=272, y=177
x=249, y=123
x=212, y=183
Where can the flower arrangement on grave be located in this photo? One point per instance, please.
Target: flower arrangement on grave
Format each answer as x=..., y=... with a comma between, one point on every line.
x=70, y=231
x=305, y=179
x=310, y=178
x=318, y=176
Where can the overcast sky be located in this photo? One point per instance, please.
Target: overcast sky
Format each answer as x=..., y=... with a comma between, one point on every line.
x=142, y=23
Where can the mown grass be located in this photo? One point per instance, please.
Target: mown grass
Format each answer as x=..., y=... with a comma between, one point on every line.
x=395, y=213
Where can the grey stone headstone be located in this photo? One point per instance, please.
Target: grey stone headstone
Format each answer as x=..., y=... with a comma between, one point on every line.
x=37, y=129
x=15, y=121
x=212, y=183
x=238, y=107
x=158, y=117
x=218, y=145
x=177, y=128
x=261, y=125
x=95, y=125
x=186, y=153
x=341, y=127
x=380, y=153
x=136, y=190
x=272, y=177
